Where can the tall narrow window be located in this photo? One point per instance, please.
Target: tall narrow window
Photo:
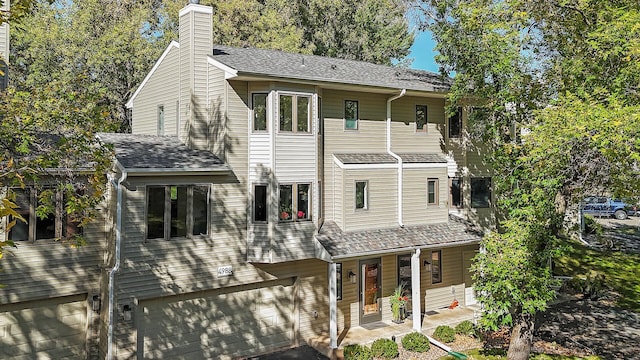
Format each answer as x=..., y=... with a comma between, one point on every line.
x=160, y=119
x=285, y=204
x=456, y=192
x=260, y=203
x=351, y=115
x=178, y=211
x=421, y=118
x=480, y=192
x=339, y=281
x=436, y=266
x=200, y=210
x=303, y=202
x=455, y=124
x=20, y=231
x=46, y=215
x=404, y=272
x=155, y=212
x=361, y=195
x=432, y=191
x=295, y=113
x=259, y=112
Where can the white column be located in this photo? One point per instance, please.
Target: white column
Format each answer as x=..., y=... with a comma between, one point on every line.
x=333, y=307
x=415, y=291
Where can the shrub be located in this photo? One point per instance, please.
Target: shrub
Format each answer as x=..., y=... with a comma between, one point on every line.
x=466, y=328
x=385, y=348
x=357, y=352
x=444, y=333
x=416, y=341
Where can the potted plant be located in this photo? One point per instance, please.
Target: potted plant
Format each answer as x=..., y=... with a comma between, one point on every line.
x=398, y=302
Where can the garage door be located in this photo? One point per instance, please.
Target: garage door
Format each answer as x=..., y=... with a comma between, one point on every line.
x=55, y=329
x=229, y=323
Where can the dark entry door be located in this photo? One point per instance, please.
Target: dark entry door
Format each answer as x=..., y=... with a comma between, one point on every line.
x=370, y=302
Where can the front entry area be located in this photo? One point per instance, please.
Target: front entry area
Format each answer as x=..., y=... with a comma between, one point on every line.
x=370, y=291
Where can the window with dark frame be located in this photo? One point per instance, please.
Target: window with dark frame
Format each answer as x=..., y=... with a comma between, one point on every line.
x=456, y=192
x=160, y=120
x=259, y=102
x=294, y=202
x=351, y=115
x=432, y=191
x=177, y=211
x=455, y=124
x=421, y=118
x=404, y=272
x=436, y=266
x=480, y=192
x=339, y=281
x=260, y=204
x=361, y=195
x=295, y=113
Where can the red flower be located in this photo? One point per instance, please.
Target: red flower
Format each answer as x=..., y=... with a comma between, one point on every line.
x=300, y=214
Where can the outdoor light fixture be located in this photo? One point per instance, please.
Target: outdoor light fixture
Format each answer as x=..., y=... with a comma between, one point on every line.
x=126, y=312
x=427, y=265
x=352, y=277
x=95, y=303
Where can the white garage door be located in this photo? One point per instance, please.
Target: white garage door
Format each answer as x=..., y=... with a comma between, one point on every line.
x=218, y=324
x=55, y=329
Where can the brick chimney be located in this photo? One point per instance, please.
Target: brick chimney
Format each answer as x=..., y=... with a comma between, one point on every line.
x=195, y=34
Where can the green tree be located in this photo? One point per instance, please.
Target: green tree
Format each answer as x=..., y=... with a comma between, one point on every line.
x=554, y=90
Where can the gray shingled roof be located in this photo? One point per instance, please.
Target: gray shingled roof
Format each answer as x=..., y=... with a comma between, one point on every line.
x=357, y=243
x=366, y=158
x=250, y=61
x=422, y=158
x=160, y=153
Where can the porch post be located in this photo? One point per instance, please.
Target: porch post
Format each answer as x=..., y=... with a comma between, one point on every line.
x=333, y=307
x=415, y=291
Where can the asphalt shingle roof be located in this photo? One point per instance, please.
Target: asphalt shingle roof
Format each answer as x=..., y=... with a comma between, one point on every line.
x=422, y=158
x=366, y=158
x=161, y=153
x=320, y=68
x=339, y=243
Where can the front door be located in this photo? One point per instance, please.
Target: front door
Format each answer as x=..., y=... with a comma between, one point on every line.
x=370, y=302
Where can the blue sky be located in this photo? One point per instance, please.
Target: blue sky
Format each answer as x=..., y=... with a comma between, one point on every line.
x=422, y=52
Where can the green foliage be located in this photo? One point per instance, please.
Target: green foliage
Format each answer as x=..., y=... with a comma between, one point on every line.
x=416, y=341
x=357, y=352
x=384, y=348
x=465, y=328
x=444, y=333
x=500, y=354
x=592, y=226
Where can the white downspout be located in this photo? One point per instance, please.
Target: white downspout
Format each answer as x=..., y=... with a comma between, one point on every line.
x=389, y=100
x=116, y=266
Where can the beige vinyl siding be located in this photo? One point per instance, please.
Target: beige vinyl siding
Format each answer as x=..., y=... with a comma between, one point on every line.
x=260, y=156
x=404, y=137
x=217, y=108
x=160, y=89
x=382, y=199
x=4, y=42
x=335, y=195
x=295, y=158
x=416, y=211
x=442, y=294
x=293, y=241
x=348, y=307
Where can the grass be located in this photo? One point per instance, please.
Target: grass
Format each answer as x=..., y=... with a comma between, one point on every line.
x=495, y=354
x=620, y=270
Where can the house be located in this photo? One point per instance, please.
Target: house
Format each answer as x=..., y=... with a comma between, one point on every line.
x=263, y=200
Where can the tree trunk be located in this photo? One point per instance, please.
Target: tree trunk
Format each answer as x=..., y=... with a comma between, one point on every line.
x=521, y=338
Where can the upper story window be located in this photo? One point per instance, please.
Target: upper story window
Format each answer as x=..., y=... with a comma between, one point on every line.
x=421, y=118
x=480, y=192
x=351, y=115
x=455, y=124
x=295, y=113
x=259, y=102
x=177, y=211
x=260, y=204
x=362, y=189
x=456, y=192
x=160, y=119
x=294, y=202
x=43, y=216
x=432, y=191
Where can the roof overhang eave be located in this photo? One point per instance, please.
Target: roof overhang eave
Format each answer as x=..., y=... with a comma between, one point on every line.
x=403, y=250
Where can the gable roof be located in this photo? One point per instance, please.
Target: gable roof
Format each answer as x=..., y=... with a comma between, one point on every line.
x=279, y=64
x=172, y=45
x=161, y=155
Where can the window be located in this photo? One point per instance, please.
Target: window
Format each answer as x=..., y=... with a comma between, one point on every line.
x=44, y=216
x=480, y=192
x=259, y=112
x=456, y=192
x=294, y=208
x=404, y=273
x=339, y=281
x=260, y=203
x=421, y=118
x=350, y=115
x=295, y=113
x=432, y=191
x=4, y=75
x=177, y=211
x=455, y=124
x=160, y=119
x=361, y=195
x=436, y=266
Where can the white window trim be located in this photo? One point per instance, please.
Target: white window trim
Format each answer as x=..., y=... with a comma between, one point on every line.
x=344, y=115
x=294, y=202
x=294, y=115
x=252, y=115
x=436, y=190
x=366, y=195
x=425, y=129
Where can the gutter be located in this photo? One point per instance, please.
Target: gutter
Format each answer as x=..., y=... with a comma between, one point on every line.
x=116, y=265
x=400, y=180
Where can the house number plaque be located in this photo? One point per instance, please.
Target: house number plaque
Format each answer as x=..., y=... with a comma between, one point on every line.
x=225, y=270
